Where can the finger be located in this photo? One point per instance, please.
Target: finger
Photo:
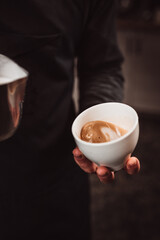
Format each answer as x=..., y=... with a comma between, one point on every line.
x=104, y=174
x=85, y=164
x=132, y=165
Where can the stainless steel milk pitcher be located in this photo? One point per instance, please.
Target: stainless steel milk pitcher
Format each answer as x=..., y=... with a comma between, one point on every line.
x=13, y=80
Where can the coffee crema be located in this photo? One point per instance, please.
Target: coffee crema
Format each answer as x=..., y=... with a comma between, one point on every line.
x=100, y=132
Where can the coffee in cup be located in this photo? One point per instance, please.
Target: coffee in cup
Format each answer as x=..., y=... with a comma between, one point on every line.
x=101, y=131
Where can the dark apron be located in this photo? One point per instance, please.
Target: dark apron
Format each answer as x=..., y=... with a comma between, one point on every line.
x=43, y=193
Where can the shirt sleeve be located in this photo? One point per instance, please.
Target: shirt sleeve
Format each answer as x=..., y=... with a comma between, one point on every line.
x=99, y=58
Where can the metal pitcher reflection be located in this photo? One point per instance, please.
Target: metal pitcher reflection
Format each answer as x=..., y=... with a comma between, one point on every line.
x=13, y=80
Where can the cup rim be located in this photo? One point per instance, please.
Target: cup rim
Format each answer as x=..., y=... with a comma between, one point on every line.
x=110, y=142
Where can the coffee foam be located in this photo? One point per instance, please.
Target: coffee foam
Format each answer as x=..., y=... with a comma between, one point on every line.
x=10, y=71
x=4, y=80
x=100, y=131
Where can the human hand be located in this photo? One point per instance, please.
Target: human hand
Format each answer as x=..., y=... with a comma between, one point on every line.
x=105, y=175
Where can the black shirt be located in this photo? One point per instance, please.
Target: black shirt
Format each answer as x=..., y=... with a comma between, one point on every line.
x=45, y=37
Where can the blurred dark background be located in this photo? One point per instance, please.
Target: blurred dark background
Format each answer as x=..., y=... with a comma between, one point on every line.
x=129, y=208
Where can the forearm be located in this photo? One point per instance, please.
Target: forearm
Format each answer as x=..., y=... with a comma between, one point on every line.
x=99, y=59
x=103, y=87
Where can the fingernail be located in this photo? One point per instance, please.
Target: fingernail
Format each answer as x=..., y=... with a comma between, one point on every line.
x=132, y=165
x=79, y=156
x=107, y=174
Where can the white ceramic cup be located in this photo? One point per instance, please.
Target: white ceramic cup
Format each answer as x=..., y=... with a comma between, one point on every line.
x=110, y=154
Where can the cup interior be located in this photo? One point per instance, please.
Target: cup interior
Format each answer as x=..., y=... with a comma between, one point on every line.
x=119, y=114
